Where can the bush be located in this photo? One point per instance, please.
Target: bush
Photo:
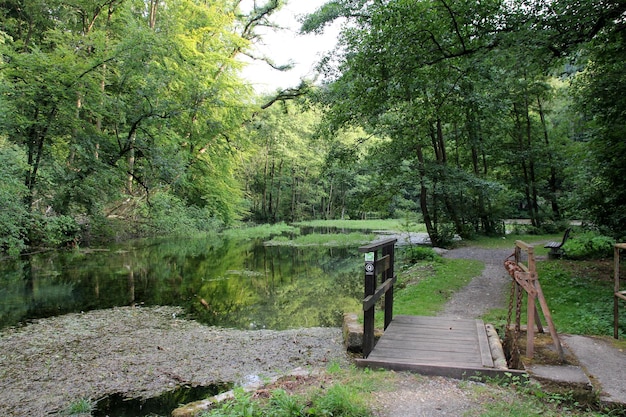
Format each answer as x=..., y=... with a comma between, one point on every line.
x=14, y=217
x=336, y=400
x=60, y=231
x=589, y=245
x=414, y=253
x=168, y=214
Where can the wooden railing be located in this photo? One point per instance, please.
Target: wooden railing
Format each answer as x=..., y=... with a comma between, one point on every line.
x=377, y=265
x=524, y=273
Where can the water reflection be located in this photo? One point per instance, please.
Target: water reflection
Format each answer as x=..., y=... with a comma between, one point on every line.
x=230, y=283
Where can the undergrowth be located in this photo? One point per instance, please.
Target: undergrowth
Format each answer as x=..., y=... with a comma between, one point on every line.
x=341, y=396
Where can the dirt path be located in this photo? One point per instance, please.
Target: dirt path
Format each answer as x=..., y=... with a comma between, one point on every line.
x=484, y=292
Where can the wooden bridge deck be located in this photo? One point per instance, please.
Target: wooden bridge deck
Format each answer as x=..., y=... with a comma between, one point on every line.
x=457, y=348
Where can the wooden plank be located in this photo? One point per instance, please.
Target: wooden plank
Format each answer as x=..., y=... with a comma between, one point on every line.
x=430, y=320
x=452, y=339
x=433, y=345
x=372, y=247
x=382, y=264
x=447, y=370
x=369, y=301
x=483, y=344
x=427, y=342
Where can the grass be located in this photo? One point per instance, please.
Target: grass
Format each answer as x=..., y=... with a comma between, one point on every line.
x=580, y=295
x=263, y=231
x=331, y=239
x=80, y=407
x=337, y=392
x=508, y=241
x=353, y=392
x=428, y=286
x=398, y=225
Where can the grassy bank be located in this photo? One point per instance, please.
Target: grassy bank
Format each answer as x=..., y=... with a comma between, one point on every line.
x=353, y=239
x=352, y=392
x=398, y=225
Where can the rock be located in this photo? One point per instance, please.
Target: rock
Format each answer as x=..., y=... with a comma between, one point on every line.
x=353, y=333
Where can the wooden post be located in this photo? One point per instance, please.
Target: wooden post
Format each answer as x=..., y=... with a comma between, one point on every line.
x=617, y=294
x=387, y=274
x=374, y=266
x=369, y=313
x=528, y=279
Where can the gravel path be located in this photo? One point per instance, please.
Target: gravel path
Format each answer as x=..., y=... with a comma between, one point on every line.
x=484, y=292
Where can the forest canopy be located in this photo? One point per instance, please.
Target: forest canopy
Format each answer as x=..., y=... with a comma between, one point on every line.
x=131, y=118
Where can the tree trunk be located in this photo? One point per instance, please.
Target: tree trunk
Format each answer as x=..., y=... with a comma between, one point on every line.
x=430, y=228
x=276, y=214
x=531, y=165
x=152, y=13
x=553, y=181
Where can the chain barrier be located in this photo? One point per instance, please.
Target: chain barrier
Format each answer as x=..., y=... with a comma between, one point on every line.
x=515, y=297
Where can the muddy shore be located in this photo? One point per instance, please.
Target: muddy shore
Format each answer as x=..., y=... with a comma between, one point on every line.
x=143, y=352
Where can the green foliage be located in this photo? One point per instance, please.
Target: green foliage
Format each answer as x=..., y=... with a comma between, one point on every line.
x=14, y=218
x=169, y=215
x=60, y=231
x=330, y=239
x=589, y=245
x=579, y=304
x=81, y=407
x=120, y=106
x=337, y=400
x=415, y=253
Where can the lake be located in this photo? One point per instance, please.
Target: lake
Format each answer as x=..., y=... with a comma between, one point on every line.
x=218, y=281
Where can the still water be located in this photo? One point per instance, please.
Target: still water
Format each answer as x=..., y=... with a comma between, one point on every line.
x=229, y=283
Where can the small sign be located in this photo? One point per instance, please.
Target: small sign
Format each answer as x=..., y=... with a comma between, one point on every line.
x=369, y=268
x=369, y=256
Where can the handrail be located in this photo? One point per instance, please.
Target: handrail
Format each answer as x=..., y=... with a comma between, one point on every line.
x=377, y=265
x=378, y=244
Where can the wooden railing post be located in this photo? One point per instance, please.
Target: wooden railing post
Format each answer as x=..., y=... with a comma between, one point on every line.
x=374, y=266
x=388, y=274
x=525, y=275
x=617, y=293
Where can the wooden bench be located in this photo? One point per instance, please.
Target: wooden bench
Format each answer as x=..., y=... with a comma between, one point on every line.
x=556, y=248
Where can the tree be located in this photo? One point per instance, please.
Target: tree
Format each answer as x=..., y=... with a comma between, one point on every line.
x=117, y=101
x=600, y=96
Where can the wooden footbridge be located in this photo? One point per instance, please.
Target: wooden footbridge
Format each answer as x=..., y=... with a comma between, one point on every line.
x=458, y=348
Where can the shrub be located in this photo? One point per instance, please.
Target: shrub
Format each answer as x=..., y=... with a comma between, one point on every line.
x=589, y=245
x=14, y=217
x=414, y=253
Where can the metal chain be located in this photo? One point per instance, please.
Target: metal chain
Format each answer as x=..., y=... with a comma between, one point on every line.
x=518, y=317
x=510, y=312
